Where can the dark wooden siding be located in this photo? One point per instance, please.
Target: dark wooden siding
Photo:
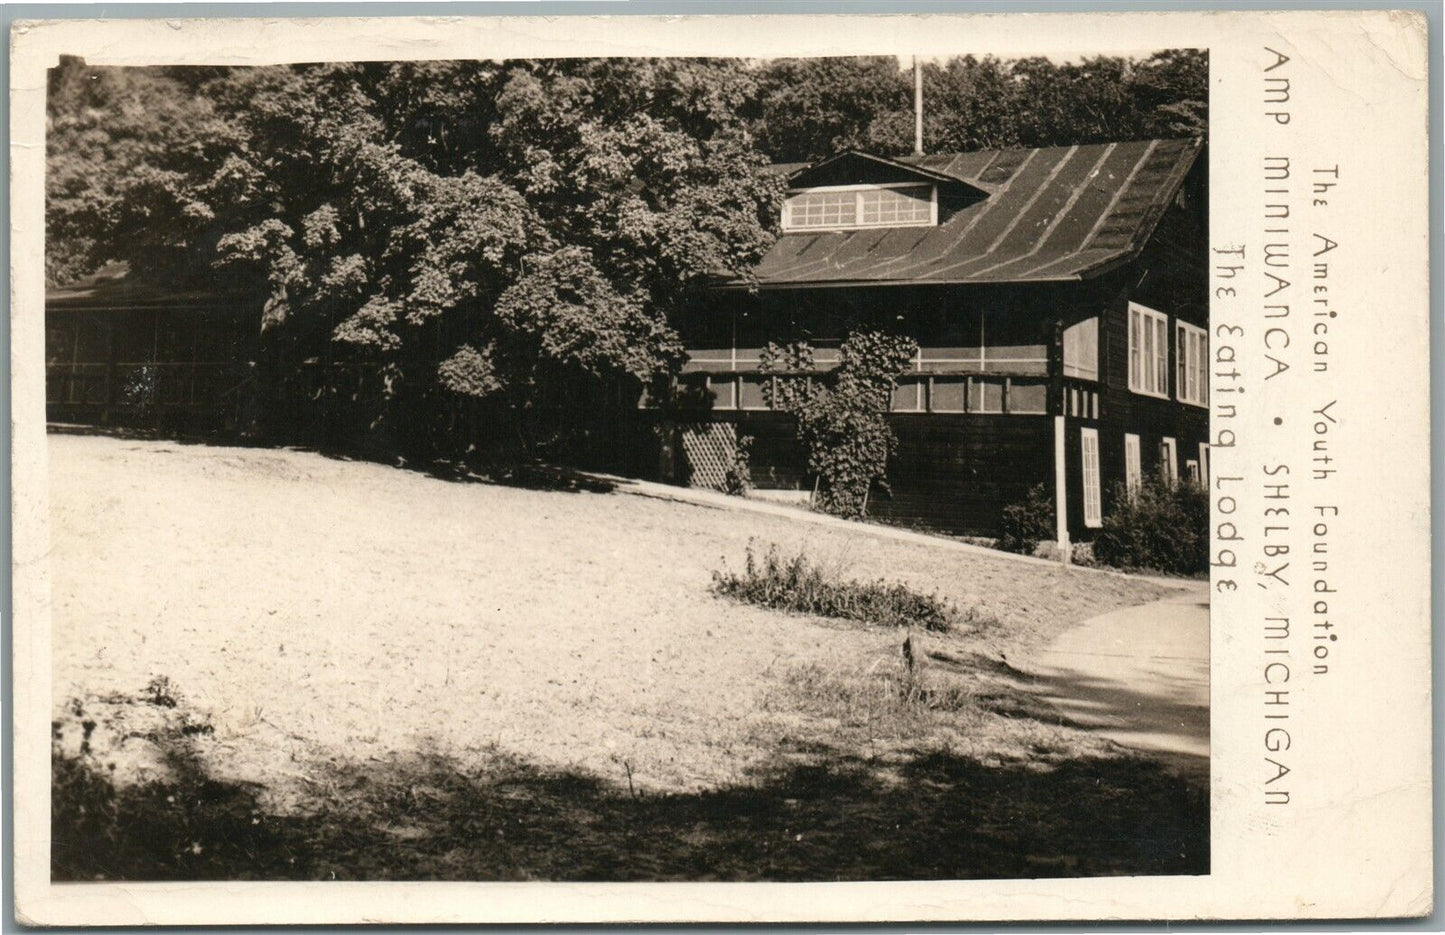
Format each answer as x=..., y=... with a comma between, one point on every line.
x=1122, y=411
x=956, y=473
x=952, y=473
x=1169, y=277
x=777, y=461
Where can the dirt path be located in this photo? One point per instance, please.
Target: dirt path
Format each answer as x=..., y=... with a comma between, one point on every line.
x=1139, y=676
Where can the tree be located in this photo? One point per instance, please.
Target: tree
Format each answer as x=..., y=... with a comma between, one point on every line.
x=119, y=143
x=811, y=108
x=814, y=107
x=383, y=228
x=988, y=103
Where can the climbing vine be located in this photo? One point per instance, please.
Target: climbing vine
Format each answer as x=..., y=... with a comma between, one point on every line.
x=843, y=426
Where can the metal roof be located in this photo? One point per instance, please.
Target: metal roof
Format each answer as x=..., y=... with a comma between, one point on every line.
x=113, y=287
x=1056, y=214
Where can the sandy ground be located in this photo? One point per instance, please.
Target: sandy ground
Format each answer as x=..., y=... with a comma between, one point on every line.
x=319, y=611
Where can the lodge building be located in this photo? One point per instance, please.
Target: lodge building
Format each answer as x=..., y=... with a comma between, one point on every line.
x=1058, y=297
x=1059, y=300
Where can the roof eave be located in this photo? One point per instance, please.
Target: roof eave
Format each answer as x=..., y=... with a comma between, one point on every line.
x=882, y=160
x=867, y=283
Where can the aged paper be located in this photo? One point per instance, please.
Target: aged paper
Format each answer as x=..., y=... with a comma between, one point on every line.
x=1316, y=464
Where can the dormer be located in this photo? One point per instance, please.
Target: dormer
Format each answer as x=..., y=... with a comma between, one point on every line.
x=859, y=191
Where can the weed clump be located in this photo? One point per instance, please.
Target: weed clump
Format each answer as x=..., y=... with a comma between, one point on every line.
x=800, y=585
x=160, y=692
x=855, y=696
x=167, y=819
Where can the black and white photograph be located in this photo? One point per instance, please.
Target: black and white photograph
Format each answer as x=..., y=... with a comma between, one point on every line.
x=630, y=469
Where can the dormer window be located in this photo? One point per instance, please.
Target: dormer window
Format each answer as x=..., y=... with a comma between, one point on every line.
x=846, y=207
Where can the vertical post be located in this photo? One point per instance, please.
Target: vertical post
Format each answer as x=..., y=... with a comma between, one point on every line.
x=1061, y=490
x=111, y=371
x=917, y=107
x=1056, y=367
x=71, y=396
x=1059, y=406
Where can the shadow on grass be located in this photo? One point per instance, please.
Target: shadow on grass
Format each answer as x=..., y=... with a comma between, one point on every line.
x=827, y=816
x=521, y=473
x=158, y=434
x=534, y=475
x=1170, y=709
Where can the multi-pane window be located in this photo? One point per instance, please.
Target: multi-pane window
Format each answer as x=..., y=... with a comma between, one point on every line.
x=948, y=394
x=724, y=391
x=1028, y=398
x=1089, y=446
x=860, y=206
x=892, y=207
x=1133, y=473
x=985, y=396
x=822, y=209
x=1148, y=351
x=1191, y=351
x=711, y=380
x=750, y=392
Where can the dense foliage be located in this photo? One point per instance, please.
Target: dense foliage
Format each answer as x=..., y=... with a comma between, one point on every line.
x=468, y=227
x=812, y=108
x=1164, y=527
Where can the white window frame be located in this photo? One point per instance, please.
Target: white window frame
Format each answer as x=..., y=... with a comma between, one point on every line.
x=1169, y=459
x=1148, y=372
x=1089, y=472
x=1191, y=470
x=1204, y=463
x=1133, y=469
x=790, y=227
x=1193, y=367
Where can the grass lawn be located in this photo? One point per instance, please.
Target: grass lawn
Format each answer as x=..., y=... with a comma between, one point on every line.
x=272, y=664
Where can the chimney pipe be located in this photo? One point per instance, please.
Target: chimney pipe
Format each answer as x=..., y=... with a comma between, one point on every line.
x=917, y=108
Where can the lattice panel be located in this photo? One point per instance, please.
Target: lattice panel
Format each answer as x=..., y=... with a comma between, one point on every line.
x=710, y=448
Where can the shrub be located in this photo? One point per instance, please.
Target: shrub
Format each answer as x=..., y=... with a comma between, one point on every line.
x=799, y=585
x=1028, y=522
x=790, y=390
x=1163, y=527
